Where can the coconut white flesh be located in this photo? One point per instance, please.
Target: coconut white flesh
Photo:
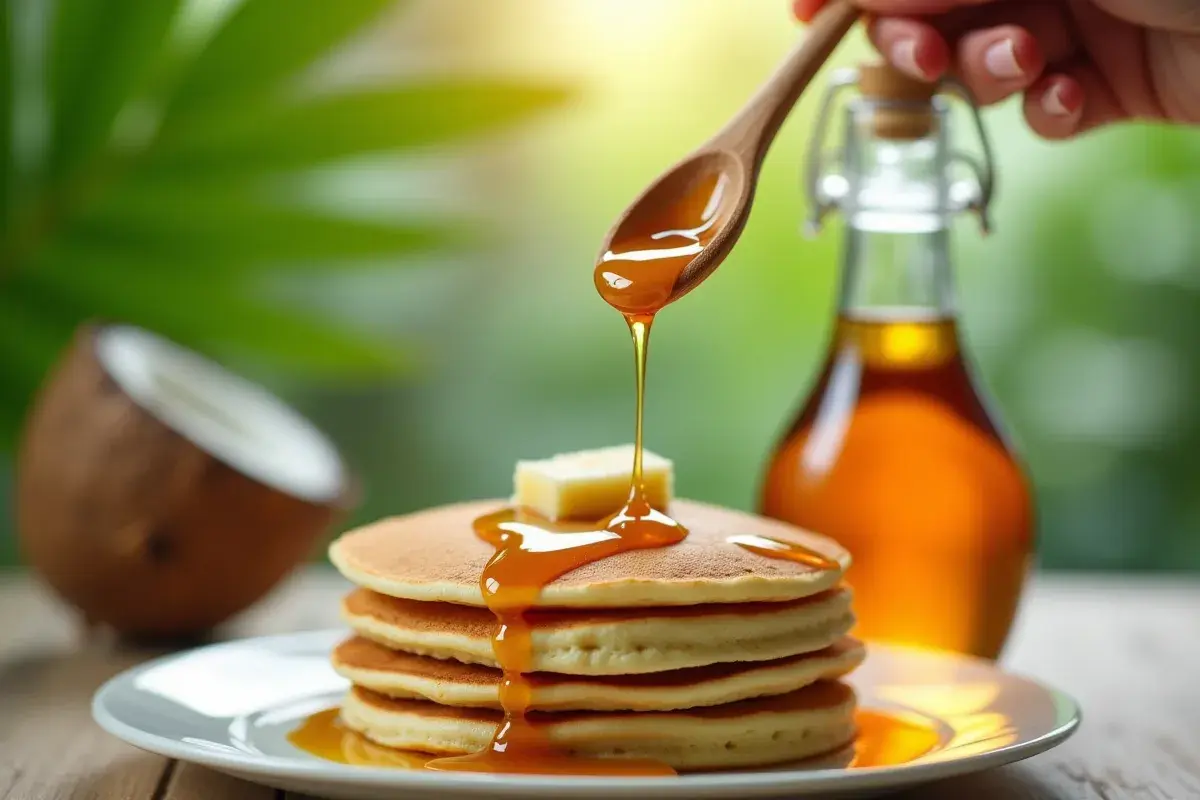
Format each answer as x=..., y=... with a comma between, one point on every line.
x=224, y=415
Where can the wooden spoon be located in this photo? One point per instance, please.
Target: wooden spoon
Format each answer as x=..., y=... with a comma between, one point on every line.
x=682, y=227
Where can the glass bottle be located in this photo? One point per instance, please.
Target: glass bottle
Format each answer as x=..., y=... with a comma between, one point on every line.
x=896, y=454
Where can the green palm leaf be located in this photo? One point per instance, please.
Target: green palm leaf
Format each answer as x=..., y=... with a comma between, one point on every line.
x=289, y=136
x=7, y=69
x=235, y=230
x=31, y=339
x=212, y=314
x=102, y=51
x=32, y=333
x=175, y=228
x=260, y=48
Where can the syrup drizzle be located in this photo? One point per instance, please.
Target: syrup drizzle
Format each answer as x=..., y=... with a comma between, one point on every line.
x=530, y=552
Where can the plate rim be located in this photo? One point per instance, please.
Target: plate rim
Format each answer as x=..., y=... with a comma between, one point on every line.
x=745, y=781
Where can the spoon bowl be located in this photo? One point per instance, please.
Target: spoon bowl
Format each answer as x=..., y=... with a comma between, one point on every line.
x=683, y=226
x=664, y=244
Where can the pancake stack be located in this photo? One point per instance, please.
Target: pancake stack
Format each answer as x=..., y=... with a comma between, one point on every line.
x=702, y=655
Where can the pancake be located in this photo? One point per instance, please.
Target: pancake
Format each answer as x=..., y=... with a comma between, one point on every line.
x=808, y=722
x=610, y=641
x=404, y=675
x=434, y=555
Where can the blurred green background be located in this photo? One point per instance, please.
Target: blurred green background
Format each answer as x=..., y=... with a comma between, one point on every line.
x=387, y=213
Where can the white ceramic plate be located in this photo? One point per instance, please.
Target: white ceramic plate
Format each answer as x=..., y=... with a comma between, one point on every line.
x=231, y=706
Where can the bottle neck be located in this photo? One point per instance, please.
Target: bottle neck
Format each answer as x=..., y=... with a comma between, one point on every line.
x=897, y=249
x=900, y=275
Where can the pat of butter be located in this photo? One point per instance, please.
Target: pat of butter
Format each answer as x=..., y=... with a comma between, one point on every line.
x=590, y=484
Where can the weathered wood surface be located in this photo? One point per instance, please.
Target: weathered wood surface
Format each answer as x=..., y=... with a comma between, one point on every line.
x=1127, y=649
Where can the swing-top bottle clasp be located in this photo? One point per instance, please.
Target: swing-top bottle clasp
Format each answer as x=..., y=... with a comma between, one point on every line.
x=899, y=108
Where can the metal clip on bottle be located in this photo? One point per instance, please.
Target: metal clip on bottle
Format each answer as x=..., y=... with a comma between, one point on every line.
x=893, y=108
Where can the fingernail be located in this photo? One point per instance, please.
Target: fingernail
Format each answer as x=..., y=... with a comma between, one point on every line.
x=1001, y=61
x=904, y=57
x=1052, y=102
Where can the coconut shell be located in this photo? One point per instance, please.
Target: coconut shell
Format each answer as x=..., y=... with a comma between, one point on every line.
x=135, y=525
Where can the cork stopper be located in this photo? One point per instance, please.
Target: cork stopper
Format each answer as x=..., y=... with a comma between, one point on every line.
x=912, y=115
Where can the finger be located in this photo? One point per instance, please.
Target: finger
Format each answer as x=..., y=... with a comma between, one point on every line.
x=1048, y=23
x=1071, y=102
x=911, y=46
x=1054, y=107
x=996, y=63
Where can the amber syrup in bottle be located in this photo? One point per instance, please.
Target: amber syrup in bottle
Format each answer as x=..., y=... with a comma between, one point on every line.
x=896, y=453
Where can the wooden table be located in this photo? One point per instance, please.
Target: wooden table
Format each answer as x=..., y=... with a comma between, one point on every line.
x=1129, y=650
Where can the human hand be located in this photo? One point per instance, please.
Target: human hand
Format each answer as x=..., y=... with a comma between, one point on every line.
x=1080, y=63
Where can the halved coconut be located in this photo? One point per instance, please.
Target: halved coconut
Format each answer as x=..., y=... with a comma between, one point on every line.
x=159, y=493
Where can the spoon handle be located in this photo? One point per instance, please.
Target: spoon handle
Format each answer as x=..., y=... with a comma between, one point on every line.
x=751, y=132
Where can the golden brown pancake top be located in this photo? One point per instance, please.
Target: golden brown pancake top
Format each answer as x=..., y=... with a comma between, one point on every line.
x=435, y=554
